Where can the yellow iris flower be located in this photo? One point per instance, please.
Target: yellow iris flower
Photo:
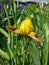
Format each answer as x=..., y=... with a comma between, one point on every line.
x=26, y=28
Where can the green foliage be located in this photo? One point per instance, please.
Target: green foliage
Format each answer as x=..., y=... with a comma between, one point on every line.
x=14, y=49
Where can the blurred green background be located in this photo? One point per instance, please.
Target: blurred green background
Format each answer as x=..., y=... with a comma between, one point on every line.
x=14, y=50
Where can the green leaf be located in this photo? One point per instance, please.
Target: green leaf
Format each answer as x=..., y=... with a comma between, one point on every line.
x=3, y=43
x=36, y=60
x=32, y=16
x=4, y=54
x=4, y=32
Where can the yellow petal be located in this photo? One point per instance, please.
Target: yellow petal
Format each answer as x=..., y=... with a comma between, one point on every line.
x=32, y=33
x=34, y=36
x=26, y=26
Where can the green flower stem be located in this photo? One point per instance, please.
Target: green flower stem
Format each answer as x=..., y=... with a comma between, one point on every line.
x=12, y=48
x=12, y=41
x=13, y=10
x=16, y=48
x=23, y=50
x=2, y=62
x=23, y=56
x=5, y=19
x=47, y=44
x=12, y=58
x=7, y=14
